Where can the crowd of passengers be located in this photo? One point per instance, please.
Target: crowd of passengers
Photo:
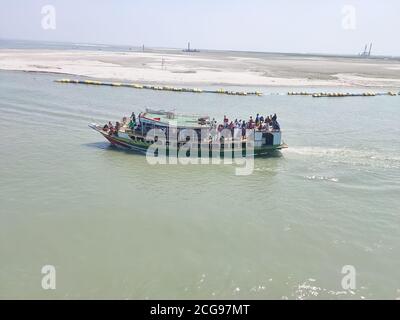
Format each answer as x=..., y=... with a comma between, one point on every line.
x=111, y=129
x=261, y=123
x=258, y=123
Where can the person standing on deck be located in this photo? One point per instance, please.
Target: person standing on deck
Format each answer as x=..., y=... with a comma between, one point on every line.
x=132, y=124
x=244, y=129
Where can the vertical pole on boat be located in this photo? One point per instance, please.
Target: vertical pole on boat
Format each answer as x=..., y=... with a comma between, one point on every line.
x=141, y=124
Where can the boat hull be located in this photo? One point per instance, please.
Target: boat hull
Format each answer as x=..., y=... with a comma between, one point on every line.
x=142, y=146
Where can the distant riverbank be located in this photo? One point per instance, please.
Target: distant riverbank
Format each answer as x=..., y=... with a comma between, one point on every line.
x=208, y=67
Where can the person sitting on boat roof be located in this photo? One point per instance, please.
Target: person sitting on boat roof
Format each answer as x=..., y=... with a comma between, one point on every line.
x=124, y=121
x=226, y=122
x=276, y=126
x=133, y=117
x=251, y=123
x=274, y=123
x=268, y=122
x=117, y=127
x=110, y=128
x=260, y=126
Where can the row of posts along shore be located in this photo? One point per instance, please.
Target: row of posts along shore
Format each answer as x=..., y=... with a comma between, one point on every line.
x=227, y=92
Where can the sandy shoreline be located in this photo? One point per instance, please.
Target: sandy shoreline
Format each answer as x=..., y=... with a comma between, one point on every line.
x=208, y=68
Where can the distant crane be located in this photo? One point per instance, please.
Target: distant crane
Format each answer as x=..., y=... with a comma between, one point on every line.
x=189, y=49
x=366, y=52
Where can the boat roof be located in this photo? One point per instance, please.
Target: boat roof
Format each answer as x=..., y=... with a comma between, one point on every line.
x=173, y=119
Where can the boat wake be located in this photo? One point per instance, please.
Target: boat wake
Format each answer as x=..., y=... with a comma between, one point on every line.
x=349, y=156
x=308, y=290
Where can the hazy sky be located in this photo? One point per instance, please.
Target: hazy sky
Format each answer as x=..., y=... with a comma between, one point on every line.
x=256, y=25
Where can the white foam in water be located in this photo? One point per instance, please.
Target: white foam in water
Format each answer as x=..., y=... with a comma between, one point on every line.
x=307, y=291
x=322, y=178
x=350, y=156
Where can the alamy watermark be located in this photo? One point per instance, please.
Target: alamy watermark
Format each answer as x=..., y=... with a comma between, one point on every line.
x=349, y=18
x=205, y=146
x=49, y=17
x=49, y=277
x=349, y=280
